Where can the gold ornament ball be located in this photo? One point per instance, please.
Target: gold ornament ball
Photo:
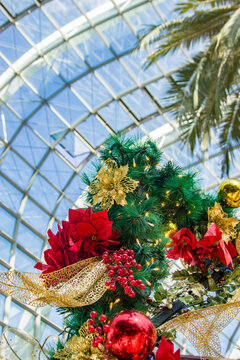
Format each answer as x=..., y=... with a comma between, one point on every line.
x=229, y=193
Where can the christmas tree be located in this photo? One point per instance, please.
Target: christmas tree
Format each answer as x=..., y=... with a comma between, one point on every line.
x=107, y=265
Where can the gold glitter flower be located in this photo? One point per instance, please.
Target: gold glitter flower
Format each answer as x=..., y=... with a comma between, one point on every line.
x=111, y=184
x=226, y=225
x=80, y=347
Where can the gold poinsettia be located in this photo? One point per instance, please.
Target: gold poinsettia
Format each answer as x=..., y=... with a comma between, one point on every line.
x=80, y=347
x=111, y=184
x=226, y=225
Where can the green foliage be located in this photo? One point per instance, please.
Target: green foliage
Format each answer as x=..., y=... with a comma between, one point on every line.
x=204, y=93
x=164, y=195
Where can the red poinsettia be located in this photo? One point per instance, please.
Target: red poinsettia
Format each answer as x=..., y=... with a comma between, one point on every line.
x=183, y=242
x=213, y=246
x=92, y=232
x=165, y=351
x=195, y=253
x=86, y=234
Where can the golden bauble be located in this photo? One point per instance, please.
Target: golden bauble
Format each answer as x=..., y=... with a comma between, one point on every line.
x=229, y=193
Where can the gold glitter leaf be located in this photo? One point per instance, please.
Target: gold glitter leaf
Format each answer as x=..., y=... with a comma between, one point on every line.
x=80, y=347
x=226, y=225
x=111, y=184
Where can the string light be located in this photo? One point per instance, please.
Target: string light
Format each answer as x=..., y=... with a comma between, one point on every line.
x=147, y=213
x=147, y=195
x=163, y=204
x=134, y=163
x=117, y=301
x=167, y=192
x=147, y=158
x=137, y=241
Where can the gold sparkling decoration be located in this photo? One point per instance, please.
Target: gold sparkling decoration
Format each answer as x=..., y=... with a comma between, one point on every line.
x=202, y=327
x=227, y=225
x=229, y=193
x=79, y=284
x=111, y=184
x=80, y=347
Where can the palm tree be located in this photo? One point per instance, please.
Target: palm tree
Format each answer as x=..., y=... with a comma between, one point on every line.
x=204, y=93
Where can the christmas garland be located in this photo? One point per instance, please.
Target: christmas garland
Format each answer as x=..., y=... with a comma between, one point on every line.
x=113, y=258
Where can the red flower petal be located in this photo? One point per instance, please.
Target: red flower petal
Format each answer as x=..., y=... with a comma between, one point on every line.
x=212, y=235
x=85, y=230
x=223, y=254
x=166, y=351
x=75, y=216
x=54, y=258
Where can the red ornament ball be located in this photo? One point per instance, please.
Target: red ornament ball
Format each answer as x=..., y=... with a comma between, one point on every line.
x=132, y=335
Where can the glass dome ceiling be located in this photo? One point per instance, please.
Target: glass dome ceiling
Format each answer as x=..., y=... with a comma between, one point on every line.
x=68, y=79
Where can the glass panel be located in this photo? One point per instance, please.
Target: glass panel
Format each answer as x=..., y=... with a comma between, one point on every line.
x=118, y=35
x=116, y=77
x=36, y=26
x=204, y=175
x=69, y=106
x=7, y=222
x=29, y=146
x=135, y=63
x=47, y=124
x=142, y=17
x=35, y=216
x=16, y=169
x=56, y=170
x=16, y=7
x=5, y=247
x=9, y=123
x=2, y=304
x=91, y=90
x=21, y=319
x=43, y=78
x=139, y=104
x=73, y=149
x=46, y=330
x=53, y=315
x=44, y=193
x=22, y=99
x=159, y=89
x=93, y=48
x=93, y=131
x=180, y=154
x=12, y=43
x=87, y=5
x=23, y=262
x=57, y=8
x=116, y=116
x=3, y=18
x=154, y=124
x=66, y=61
x=9, y=195
x=166, y=8
x=29, y=240
x=172, y=61
x=62, y=209
x=136, y=133
x=75, y=188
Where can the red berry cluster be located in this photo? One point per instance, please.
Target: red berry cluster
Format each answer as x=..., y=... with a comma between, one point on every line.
x=98, y=328
x=119, y=266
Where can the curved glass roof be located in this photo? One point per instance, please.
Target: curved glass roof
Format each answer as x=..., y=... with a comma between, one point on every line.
x=68, y=80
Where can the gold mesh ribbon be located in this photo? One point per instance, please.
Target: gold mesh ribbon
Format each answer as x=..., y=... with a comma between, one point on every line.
x=80, y=284
x=202, y=327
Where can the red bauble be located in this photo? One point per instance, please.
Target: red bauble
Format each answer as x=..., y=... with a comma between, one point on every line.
x=132, y=334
